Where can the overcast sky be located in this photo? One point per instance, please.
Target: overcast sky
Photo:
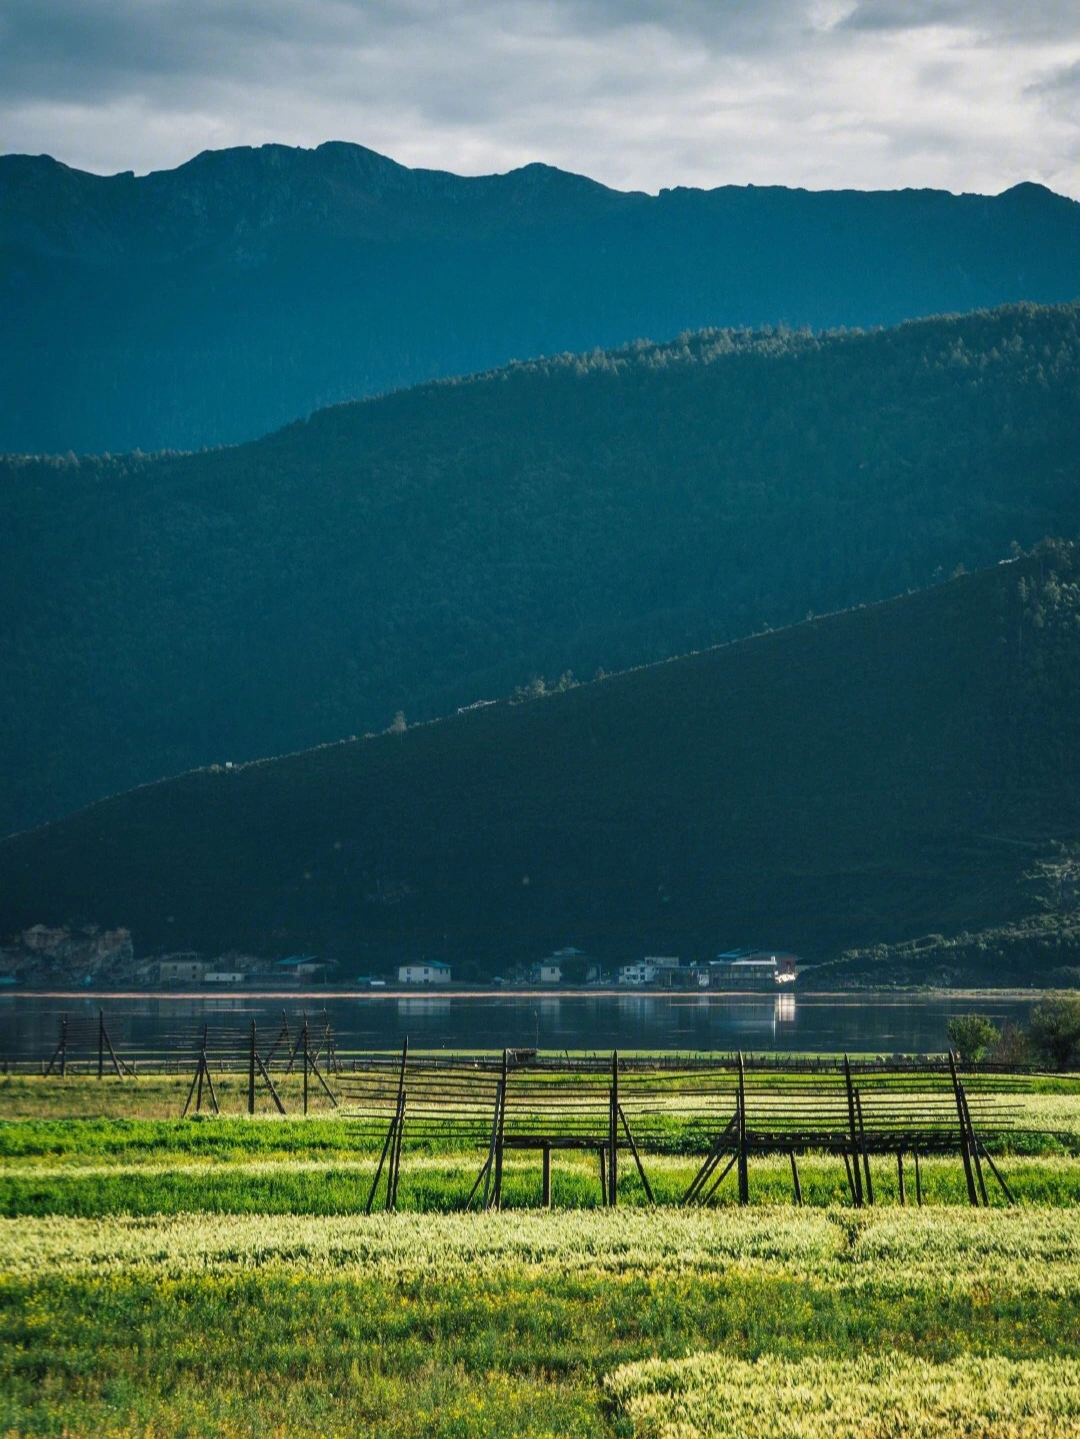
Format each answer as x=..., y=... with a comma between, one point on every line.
x=959, y=94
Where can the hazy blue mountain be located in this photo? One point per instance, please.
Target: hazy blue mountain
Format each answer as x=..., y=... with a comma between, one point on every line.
x=215, y=302
x=448, y=543
x=873, y=775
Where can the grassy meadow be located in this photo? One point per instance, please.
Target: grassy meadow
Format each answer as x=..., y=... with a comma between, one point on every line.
x=216, y=1276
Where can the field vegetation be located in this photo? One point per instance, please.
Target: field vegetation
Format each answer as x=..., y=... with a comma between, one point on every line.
x=715, y=1397
x=215, y=1276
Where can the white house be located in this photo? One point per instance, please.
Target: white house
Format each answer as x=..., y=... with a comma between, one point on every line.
x=549, y=973
x=428, y=971
x=187, y=968
x=643, y=972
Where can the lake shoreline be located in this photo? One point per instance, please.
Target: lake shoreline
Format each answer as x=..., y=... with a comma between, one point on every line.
x=476, y=992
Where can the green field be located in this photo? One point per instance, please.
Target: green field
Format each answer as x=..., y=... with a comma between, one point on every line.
x=214, y=1277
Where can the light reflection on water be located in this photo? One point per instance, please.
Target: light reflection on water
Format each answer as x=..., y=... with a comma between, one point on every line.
x=875, y=1023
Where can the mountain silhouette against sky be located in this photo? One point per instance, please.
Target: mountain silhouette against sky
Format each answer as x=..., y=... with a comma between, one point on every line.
x=213, y=303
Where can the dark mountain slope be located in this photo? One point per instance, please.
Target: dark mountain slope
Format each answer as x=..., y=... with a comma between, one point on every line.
x=214, y=302
x=873, y=775
x=448, y=543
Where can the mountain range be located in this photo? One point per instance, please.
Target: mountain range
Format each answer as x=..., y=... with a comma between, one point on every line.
x=215, y=302
x=456, y=541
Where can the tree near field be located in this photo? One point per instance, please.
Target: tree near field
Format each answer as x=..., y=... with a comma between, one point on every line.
x=1054, y=1030
x=972, y=1036
x=1014, y=1046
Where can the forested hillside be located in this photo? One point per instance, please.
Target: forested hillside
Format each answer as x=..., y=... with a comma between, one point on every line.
x=871, y=776
x=453, y=542
x=215, y=302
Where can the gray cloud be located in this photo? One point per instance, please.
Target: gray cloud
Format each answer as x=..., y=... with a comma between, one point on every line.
x=1063, y=82
x=645, y=93
x=1004, y=20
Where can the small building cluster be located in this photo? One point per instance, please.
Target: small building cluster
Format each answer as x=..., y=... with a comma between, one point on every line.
x=734, y=970
x=569, y=967
x=230, y=970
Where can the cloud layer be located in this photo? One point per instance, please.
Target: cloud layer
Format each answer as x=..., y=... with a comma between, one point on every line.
x=960, y=94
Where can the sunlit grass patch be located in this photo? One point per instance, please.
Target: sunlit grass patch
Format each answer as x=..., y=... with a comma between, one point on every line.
x=1028, y=1251
x=716, y=1396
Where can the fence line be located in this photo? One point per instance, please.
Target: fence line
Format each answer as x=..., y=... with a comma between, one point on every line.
x=726, y=1109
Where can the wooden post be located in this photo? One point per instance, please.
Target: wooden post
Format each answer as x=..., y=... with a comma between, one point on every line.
x=489, y=1163
x=485, y=1171
x=210, y=1083
x=902, y=1192
x=973, y=1144
x=795, y=1179
x=850, y=1180
x=545, y=1197
x=964, y=1152
x=637, y=1157
x=854, y=1177
x=296, y=1047
x=194, y=1080
x=382, y=1160
x=613, y=1131
x=201, y=1071
x=496, y=1197
x=918, y=1181
x=118, y=1064
x=728, y=1167
x=395, y=1157
x=994, y=1170
x=712, y=1159
x=603, y=1176
x=979, y=1173
x=270, y=1085
x=101, y=1044
x=398, y=1125
x=317, y=1072
x=283, y=1035
x=744, y=1171
x=304, y=1038
x=862, y=1145
x=60, y=1052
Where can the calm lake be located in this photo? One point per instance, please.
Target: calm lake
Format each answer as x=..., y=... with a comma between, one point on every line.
x=145, y=1025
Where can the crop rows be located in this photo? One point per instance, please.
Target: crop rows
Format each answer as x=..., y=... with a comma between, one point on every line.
x=1030, y=1251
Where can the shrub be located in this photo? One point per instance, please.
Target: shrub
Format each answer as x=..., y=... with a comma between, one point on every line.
x=1055, y=1030
x=972, y=1035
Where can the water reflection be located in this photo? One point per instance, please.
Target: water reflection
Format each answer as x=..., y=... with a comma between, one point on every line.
x=638, y=1008
x=785, y=1007
x=425, y=1010
x=878, y=1024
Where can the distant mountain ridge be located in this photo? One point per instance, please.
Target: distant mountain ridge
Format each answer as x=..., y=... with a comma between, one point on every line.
x=451, y=542
x=215, y=302
x=869, y=776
